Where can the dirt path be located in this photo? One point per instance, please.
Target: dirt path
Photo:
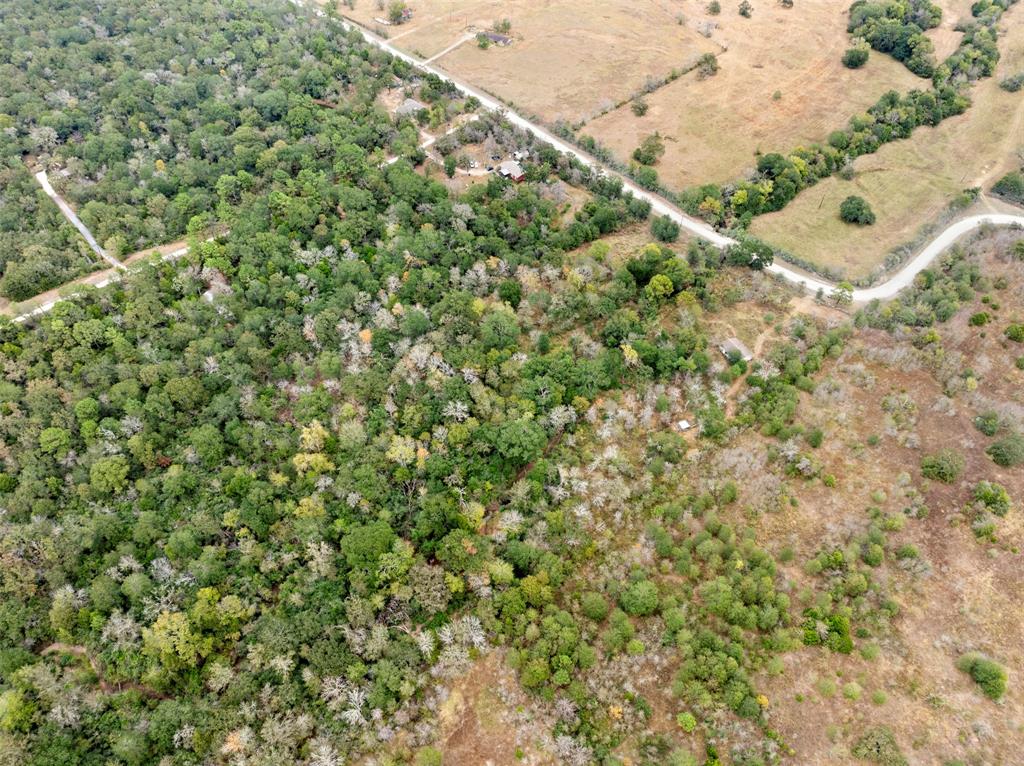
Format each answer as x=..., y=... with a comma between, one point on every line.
x=732, y=394
x=65, y=208
x=1006, y=162
x=429, y=139
x=168, y=252
x=44, y=302
x=464, y=39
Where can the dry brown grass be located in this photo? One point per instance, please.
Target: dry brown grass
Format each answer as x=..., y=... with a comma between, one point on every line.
x=969, y=601
x=571, y=58
x=715, y=126
x=909, y=183
x=944, y=37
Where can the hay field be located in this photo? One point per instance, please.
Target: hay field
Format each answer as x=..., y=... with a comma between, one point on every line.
x=715, y=126
x=909, y=183
x=570, y=59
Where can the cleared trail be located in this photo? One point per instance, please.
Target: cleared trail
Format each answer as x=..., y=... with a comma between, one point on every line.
x=97, y=279
x=65, y=208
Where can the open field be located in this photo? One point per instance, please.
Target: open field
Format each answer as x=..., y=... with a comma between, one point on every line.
x=908, y=183
x=965, y=598
x=569, y=59
x=713, y=127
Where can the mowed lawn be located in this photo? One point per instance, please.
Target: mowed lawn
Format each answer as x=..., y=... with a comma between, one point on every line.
x=781, y=83
x=909, y=183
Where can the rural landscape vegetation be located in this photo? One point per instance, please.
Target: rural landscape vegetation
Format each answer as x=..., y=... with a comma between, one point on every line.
x=508, y=382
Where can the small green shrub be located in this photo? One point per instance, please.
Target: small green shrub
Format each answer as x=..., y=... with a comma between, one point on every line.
x=870, y=651
x=665, y=229
x=640, y=599
x=826, y=687
x=855, y=58
x=1008, y=451
x=994, y=496
x=945, y=465
x=594, y=606
x=1013, y=83
x=986, y=673
x=878, y=745
x=856, y=210
x=1011, y=187
x=988, y=422
x=686, y=722
x=815, y=437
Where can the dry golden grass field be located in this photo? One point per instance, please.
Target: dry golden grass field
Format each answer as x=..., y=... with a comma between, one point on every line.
x=909, y=183
x=570, y=59
x=780, y=83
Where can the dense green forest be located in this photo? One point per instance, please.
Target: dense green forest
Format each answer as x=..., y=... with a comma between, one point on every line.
x=255, y=502
x=39, y=249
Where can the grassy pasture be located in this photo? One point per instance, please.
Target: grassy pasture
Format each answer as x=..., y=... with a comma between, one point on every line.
x=909, y=183
x=781, y=82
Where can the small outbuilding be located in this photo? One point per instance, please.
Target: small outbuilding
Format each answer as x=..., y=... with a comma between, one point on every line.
x=498, y=39
x=684, y=425
x=735, y=348
x=409, y=108
x=512, y=170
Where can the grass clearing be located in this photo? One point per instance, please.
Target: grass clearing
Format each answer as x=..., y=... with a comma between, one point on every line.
x=908, y=183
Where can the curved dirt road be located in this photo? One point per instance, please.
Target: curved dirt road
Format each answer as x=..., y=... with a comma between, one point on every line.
x=905, y=276
x=659, y=205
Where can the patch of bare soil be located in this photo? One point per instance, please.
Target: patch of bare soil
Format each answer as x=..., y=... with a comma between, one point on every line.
x=486, y=720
